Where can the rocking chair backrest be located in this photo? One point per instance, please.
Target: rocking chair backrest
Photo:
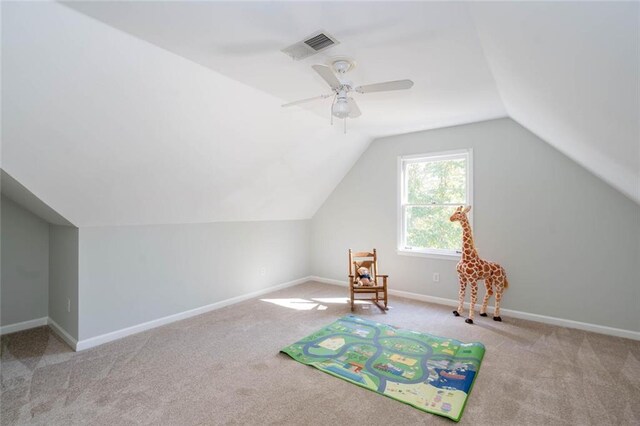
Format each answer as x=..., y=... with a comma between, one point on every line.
x=363, y=258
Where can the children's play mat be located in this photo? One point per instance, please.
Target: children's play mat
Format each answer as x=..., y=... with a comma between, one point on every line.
x=431, y=373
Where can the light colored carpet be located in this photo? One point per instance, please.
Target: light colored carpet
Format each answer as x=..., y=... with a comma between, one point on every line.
x=223, y=367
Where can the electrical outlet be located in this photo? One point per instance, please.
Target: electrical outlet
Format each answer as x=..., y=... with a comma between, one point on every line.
x=263, y=272
x=68, y=305
x=436, y=277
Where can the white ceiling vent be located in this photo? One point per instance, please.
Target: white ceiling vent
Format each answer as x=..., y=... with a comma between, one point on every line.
x=311, y=45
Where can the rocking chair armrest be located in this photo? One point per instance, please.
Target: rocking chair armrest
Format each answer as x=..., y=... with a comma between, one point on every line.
x=384, y=280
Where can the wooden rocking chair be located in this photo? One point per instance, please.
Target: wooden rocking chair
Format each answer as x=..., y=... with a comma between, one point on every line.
x=377, y=288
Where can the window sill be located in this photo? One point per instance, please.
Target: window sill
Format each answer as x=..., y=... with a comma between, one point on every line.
x=430, y=255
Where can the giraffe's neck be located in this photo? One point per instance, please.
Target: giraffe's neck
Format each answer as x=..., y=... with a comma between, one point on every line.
x=468, y=248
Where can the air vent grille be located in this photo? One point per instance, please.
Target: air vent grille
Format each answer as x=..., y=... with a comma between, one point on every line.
x=319, y=42
x=314, y=43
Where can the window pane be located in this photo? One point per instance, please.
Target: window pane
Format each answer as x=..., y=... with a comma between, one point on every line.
x=436, y=182
x=430, y=227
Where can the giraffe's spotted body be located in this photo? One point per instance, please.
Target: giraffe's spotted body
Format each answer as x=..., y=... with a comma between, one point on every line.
x=471, y=269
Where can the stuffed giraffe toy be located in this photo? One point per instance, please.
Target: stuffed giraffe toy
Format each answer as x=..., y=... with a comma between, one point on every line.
x=471, y=269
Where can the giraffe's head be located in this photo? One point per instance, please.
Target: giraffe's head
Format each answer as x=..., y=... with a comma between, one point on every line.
x=460, y=214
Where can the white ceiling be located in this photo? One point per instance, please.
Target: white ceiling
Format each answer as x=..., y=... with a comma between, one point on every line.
x=182, y=123
x=434, y=44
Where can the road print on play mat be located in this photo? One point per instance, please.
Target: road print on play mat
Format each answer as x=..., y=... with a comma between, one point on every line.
x=431, y=373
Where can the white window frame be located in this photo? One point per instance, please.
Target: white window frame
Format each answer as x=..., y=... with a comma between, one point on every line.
x=402, y=249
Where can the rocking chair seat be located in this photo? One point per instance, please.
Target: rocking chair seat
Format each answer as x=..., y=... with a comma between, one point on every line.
x=364, y=288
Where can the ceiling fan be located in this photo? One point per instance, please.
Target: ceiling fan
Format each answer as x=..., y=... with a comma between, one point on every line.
x=344, y=106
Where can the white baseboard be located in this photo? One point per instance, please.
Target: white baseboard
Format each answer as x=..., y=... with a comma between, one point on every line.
x=118, y=334
x=39, y=322
x=24, y=325
x=63, y=334
x=619, y=332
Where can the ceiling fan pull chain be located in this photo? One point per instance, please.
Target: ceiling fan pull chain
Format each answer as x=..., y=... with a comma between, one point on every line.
x=331, y=109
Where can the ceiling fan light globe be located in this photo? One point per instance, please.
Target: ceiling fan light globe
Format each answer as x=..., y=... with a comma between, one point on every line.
x=340, y=109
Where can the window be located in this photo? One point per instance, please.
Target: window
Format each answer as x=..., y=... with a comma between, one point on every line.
x=431, y=186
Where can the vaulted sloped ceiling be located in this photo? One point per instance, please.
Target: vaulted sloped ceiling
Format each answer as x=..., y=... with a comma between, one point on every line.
x=110, y=130
x=169, y=112
x=569, y=72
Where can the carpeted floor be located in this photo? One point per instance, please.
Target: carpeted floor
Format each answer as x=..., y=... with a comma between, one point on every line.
x=223, y=367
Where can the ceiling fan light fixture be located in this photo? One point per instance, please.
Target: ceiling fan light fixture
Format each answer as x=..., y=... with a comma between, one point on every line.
x=340, y=108
x=342, y=64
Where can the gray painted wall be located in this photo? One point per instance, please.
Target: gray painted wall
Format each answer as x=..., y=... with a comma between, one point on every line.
x=25, y=264
x=569, y=242
x=63, y=277
x=134, y=274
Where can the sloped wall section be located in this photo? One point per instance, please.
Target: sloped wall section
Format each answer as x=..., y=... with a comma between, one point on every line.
x=110, y=130
x=568, y=72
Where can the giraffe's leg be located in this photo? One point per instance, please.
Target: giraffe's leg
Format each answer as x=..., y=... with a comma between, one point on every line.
x=474, y=299
x=488, y=284
x=496, y=312
x=461, y=291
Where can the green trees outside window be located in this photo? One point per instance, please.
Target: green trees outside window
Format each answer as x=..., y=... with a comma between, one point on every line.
x=432, y=187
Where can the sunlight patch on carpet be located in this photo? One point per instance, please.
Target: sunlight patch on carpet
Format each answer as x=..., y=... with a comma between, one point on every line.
x=308, y=305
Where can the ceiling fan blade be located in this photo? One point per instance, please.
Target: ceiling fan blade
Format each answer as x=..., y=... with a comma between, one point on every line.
x=301, y=101
x=386, y=86
x=327, y=75
x=354, y=111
